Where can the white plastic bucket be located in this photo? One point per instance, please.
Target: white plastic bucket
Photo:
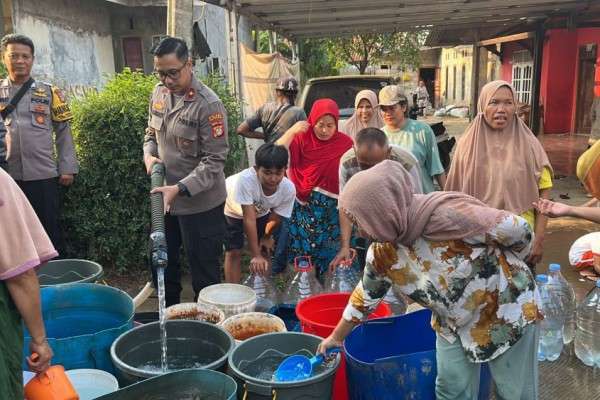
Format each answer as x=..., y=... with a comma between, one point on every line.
x=197, y=312
x=27, y=376
x=231, y=298
x=92, y=383
x=247, y=325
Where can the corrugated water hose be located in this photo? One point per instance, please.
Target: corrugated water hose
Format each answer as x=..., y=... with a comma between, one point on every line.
x=157, y=235
x=158, y=241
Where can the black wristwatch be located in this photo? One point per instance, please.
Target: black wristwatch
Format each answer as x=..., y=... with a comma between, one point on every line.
x=183, y=190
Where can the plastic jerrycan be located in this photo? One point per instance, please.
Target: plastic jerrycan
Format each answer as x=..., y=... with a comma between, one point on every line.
x=53, y=384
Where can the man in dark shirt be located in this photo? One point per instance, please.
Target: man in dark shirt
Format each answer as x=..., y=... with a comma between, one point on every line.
x=277, y=116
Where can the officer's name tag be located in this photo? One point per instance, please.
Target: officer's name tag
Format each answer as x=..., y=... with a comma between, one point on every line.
x=187, y=122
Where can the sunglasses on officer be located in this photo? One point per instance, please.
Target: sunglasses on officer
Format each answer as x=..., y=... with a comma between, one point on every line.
x=174, y=73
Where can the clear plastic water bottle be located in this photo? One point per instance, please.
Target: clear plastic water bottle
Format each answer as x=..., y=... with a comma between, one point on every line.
x=265, y=292
x=304, y=284
x=343, y=278
x=587, y=335
x=551, y=337
x=565, y=295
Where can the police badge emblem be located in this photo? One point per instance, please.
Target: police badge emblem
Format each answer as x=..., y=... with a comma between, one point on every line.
x=216, y=123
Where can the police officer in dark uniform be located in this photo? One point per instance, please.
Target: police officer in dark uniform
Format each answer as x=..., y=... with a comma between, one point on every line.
x=187, y=131
x=30, y=146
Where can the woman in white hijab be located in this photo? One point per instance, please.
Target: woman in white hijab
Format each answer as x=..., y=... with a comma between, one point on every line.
x=366, y=114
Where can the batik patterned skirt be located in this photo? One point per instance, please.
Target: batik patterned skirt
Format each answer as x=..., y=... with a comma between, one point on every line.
x=315, y=230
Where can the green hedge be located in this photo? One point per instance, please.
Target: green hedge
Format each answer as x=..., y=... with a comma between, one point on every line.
x=106, y=211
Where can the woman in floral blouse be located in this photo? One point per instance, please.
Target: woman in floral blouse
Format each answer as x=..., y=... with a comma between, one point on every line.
x=463, y=260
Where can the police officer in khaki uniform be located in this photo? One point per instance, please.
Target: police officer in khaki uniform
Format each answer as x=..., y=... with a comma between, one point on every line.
x=29, y=141
x=187, y=131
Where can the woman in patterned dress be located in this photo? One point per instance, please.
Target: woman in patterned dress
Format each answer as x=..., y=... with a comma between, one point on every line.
x=316, y=147
x=461, y=259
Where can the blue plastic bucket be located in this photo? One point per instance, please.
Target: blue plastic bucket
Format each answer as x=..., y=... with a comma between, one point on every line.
x=394, y=358
x=82, y=320
x=287, y=312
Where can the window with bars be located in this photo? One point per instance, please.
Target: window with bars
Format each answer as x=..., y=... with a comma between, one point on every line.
x=454, y=83
x=446, y=84
x=522, y=75
x=463, y=79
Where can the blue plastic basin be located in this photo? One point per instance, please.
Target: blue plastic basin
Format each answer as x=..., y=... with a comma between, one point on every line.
x=82, y=320
x=394, y=358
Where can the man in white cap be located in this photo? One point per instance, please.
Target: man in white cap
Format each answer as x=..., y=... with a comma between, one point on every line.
x=411, y=135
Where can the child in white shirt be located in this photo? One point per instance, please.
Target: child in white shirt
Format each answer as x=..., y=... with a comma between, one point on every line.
x=257, y=198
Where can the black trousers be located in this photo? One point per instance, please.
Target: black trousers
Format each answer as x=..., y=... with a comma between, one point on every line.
x=43, y=196
x=202, y=237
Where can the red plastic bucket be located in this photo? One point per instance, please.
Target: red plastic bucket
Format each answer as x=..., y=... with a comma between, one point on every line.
x=320, y=314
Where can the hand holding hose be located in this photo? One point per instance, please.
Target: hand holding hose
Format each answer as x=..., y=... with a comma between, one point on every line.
x=149, y=161
x=169, y=194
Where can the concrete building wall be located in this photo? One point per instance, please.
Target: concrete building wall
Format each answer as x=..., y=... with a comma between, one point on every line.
x=72, y=39
x=213, y=24
x=145, y=23
x=2, y=29
x=245, y=32
x=452, y=90
x=78, y=42
x=456, y=65
x=212, y=21
x=560, y=69
x=430, y=57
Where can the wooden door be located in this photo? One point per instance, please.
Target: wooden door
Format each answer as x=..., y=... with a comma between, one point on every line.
x=132, y=53
x=585, y=88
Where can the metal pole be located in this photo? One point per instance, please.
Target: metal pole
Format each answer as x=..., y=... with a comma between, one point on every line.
x=538, y=51
x=233, y=53
x=294, y=53
x=180, y=15
x=474, y=75
x=270, y=42
x=171, y=5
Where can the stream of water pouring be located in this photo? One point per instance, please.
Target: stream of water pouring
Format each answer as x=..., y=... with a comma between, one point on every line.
x=160, y=272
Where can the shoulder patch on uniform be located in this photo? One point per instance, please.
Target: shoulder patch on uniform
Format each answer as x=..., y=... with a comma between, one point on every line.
x=158, y=106
x=60, y=108
x=217, y=125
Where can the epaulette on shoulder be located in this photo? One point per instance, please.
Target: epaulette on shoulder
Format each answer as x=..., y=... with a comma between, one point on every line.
x=46, y=84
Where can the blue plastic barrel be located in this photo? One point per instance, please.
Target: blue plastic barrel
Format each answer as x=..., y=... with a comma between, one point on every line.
x=394, y=358
x=82, y=320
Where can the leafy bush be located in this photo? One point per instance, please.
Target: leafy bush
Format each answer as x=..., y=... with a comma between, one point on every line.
x=3, y=71
x=106, y=212
x=236, y=159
